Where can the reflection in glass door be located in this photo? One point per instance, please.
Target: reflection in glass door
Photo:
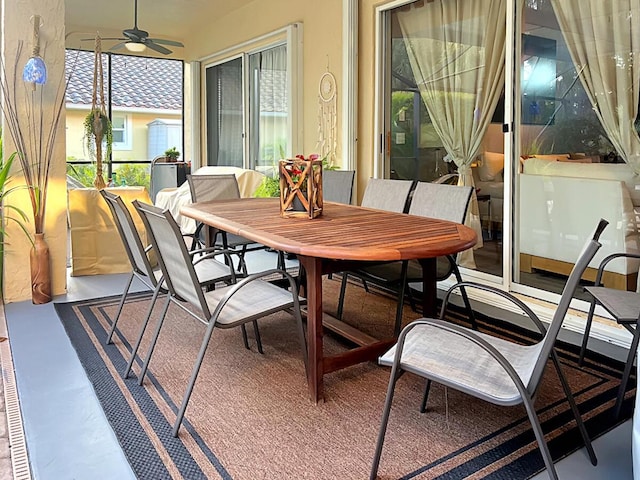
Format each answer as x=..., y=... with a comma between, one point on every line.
x=444, y=79
x=577, y=136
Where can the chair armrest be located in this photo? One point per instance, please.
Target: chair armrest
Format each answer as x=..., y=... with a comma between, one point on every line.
x=508, y=296
x=211, y=253
x=467, y=334
x=609, y=258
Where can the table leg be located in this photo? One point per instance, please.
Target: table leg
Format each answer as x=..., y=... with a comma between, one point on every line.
x=313, y=269
x=429, y=287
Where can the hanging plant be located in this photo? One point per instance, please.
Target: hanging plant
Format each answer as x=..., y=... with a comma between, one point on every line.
x=97, y=125
x=98, y=130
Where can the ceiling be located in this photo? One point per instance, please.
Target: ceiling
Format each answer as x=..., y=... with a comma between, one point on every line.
x=169, y=19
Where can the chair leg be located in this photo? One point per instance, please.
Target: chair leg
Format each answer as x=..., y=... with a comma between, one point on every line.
x=574, y=408
x=343, y=290
x=463, y=292
x=303, y=341
x=117, y=317
x=401, y=294
x=245, y=338
x=542, y=443
x=256, y=331
x=627, y=372
x=587, y=329
x=134, y=352
x=194, y=376
x=425, y=397
x=396, y=373
x=154, y=340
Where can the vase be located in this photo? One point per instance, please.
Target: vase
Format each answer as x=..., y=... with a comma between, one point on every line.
x=297, y=205
x=40, y=271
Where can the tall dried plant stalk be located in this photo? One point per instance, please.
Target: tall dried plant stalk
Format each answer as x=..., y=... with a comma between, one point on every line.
x=33, y=133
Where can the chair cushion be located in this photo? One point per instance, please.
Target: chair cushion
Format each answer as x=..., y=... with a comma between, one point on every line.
x=450, y=359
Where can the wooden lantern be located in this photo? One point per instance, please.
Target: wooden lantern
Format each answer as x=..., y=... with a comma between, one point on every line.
x=300, y=188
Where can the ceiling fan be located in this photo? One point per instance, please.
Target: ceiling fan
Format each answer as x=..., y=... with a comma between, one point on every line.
x=137, y=40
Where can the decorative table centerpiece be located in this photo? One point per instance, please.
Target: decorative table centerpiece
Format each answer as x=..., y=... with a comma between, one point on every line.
x=301, y=187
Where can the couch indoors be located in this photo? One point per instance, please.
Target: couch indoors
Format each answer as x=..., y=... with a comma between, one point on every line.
x=560, y=205
x=488, y=176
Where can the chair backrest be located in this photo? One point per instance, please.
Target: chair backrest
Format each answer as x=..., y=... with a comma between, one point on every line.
x=589, y=250
x=174, y=259
x=389, y=195
x=337, y=185
x=129, y=235
x=213, y=187
x=442, y=201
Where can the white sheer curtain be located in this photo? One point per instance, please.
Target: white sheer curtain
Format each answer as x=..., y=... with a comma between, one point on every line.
x=456, y=49
x=603, y=38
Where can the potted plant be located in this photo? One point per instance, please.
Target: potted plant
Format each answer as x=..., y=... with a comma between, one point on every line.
x=98, y=130
x=172, y=154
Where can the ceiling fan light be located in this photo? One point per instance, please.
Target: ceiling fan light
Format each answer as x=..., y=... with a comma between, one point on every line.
x=135, y=47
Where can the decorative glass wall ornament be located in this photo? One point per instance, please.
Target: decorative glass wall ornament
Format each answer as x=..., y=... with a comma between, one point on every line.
x=35, y=70
x=327, y=118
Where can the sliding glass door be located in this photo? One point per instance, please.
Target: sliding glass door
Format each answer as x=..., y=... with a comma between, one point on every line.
x=444, y=80
x=225, y=114
x=247, y=123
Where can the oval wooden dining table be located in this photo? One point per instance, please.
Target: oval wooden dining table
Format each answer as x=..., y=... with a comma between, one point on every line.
x=334, y=242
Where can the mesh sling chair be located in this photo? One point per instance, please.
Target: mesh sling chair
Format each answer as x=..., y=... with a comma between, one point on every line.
x=227, y=307
x=381, y=194
x=624, y=307
x=337, y=185
x=208, y=270
x=441, y=201
x=205, y=188
x=489, y=368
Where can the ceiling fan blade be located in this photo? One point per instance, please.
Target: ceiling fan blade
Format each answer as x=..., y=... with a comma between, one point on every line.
x=156, y=47
x=118, y=46
x=161, y=41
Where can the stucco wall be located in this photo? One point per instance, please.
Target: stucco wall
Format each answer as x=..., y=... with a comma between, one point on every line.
x=139, y=143
x=18, y=27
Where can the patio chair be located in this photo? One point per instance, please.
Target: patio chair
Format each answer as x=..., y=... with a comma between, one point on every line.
x=486, y=367
x=337, y=185
x=624, y=307
x=205, y=188
x=208, y=271
x=381, y=194
x=434, y=200
x=247, y=301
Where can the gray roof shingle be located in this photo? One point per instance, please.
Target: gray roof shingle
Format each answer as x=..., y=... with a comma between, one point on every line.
x=137, y=82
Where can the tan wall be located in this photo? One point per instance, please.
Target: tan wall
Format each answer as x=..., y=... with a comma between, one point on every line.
x=16, y=27
x=75, y=134
x=322, y=33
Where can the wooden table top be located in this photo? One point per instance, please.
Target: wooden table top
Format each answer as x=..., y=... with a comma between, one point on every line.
x=342, y=232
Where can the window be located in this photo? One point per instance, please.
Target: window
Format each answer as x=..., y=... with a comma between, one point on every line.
x=249, y=109
x=121, y=127
x=144, y=99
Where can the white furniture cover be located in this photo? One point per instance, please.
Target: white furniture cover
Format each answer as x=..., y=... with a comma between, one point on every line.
x=174, y=198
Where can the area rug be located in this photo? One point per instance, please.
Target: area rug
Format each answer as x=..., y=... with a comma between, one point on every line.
x=250, y=416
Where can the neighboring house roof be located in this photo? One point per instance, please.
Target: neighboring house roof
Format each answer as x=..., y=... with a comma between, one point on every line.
x=136, y=82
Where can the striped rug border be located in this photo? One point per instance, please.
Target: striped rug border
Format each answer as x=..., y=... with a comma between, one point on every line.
x=139, y=449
